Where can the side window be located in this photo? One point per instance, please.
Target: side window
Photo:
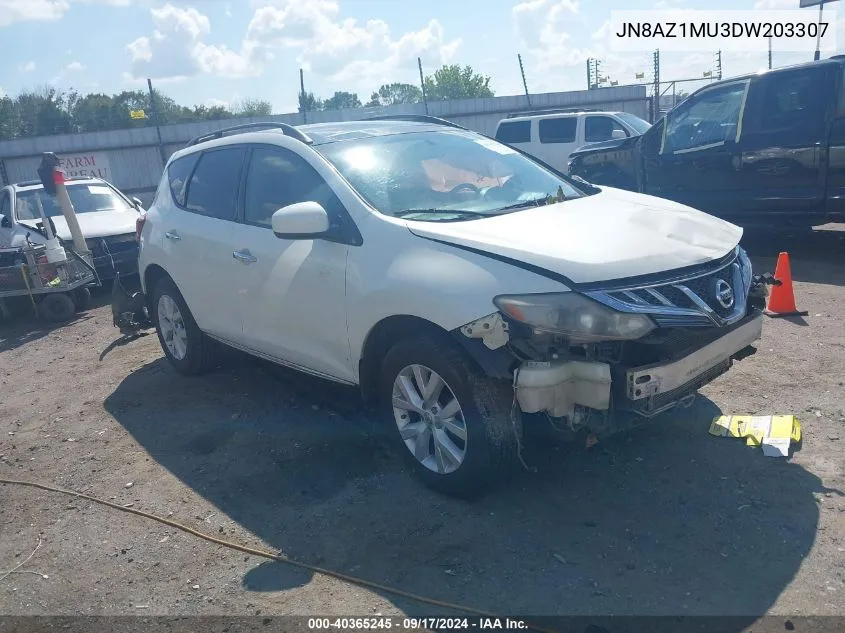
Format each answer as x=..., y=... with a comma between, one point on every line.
x=514, y=132
x=213, y=188
x=278, y=177
x=177, y=176
x=5, y=205
x=559, y=130
x=707, y=119
x=602, y=128
x=792, y=103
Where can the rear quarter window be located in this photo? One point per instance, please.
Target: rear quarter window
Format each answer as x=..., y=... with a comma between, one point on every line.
x=514, y=132
x=178, y=174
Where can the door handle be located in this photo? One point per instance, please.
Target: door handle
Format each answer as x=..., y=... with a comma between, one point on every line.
x=245, y=257
x=172, y=236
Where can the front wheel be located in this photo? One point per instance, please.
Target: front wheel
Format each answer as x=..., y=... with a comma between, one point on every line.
x=186, y=347
x=459, y=430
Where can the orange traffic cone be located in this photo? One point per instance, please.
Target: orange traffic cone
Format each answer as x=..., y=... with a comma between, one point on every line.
x=782, y=298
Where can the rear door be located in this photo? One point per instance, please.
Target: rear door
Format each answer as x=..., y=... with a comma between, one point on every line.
x=836, y=157
x=784, y=139
x=697, y=161
x=557, y=138
x=198, y=236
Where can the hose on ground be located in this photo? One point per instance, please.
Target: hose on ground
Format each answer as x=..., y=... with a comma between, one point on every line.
x=361, y=582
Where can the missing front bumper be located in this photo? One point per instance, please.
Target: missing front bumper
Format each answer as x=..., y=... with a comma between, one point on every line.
x=557, y=388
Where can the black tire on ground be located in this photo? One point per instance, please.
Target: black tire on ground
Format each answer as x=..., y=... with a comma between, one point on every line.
x=200, y=354
x=493, y=423
x=81, y=299
x=57, y=307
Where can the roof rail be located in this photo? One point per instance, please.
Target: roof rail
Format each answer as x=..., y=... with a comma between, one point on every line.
x=419, y=118
x=287, y=129
x=552, y=111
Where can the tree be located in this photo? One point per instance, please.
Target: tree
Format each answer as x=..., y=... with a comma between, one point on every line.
x=342, y=100
x=454, y=82
x=252, y=107
x=394, y=94
x=309, y=103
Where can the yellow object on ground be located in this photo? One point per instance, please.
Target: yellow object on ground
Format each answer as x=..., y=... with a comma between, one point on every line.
x=773, y=432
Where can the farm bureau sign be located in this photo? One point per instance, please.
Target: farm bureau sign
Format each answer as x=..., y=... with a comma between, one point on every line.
x=87, y=165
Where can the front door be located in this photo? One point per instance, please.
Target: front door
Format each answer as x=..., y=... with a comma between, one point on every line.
x=292, y=293
x=198, y=237
x=697, y=161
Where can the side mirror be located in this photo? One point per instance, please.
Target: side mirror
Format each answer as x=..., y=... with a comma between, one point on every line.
x=618, y=134
x=5, y=222
x=138, y=204
x=301, y=221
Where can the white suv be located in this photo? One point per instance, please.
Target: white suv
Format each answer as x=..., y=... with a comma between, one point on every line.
x=553, y=135
x=456, y=281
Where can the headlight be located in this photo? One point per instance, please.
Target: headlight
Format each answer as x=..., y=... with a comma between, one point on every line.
x=575, y=316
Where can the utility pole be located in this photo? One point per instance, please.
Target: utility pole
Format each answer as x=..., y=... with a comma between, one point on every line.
x=770, y=53
x=818, y=55
x=719, y=65
x=302, y=96
x=422, y=85
x=589, y=74
x=656, y=96
x=154, y=112
x=524, y=83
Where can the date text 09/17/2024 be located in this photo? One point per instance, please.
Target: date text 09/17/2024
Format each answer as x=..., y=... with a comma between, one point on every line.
x=415, y=624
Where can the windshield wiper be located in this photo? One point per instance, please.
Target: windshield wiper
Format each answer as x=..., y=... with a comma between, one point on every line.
x=536, y=202
x=434, y=211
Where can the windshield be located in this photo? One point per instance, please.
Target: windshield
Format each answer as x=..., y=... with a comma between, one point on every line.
x=86, y=198
x=445, y=175
x=635, y=122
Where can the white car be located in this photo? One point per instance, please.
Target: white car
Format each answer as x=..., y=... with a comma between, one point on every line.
x=552, y=135
x=456, y=281
x=106, y=218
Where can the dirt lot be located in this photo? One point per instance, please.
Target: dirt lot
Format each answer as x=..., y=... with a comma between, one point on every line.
x=666, y=520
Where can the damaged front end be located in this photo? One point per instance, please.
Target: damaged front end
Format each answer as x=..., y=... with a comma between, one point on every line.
x=602, y=357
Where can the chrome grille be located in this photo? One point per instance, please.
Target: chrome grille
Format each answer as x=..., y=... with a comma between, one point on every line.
x=700, y=300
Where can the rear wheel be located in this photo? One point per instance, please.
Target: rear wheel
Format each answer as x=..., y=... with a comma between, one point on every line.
x=81, y=299
x=186, y=347
x=57, y=307
x=458, y=429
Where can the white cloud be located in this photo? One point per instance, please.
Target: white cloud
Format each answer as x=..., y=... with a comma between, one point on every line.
x=323, y=42
x=75, y=66
x=775, y=4
x=44, y=10
x=542, y=29
x=28, y=67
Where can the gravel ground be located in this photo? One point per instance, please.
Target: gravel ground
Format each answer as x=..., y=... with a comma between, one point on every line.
x=665, y=520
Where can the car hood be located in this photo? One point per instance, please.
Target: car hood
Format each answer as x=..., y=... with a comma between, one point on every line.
x=609, y=236
x=95, y=224
x=602, y=146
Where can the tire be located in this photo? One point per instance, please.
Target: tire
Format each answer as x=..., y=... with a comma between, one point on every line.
x=57, y=307
x=81, y=299
x=191, y=354
x=487, y=416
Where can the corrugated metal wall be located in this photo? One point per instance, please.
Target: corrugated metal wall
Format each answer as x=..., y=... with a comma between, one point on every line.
x=136, y=164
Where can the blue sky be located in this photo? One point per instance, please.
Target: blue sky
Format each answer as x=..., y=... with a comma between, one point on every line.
x=221, y=51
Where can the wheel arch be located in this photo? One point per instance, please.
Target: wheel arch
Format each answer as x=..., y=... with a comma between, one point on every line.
x=382, y=337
